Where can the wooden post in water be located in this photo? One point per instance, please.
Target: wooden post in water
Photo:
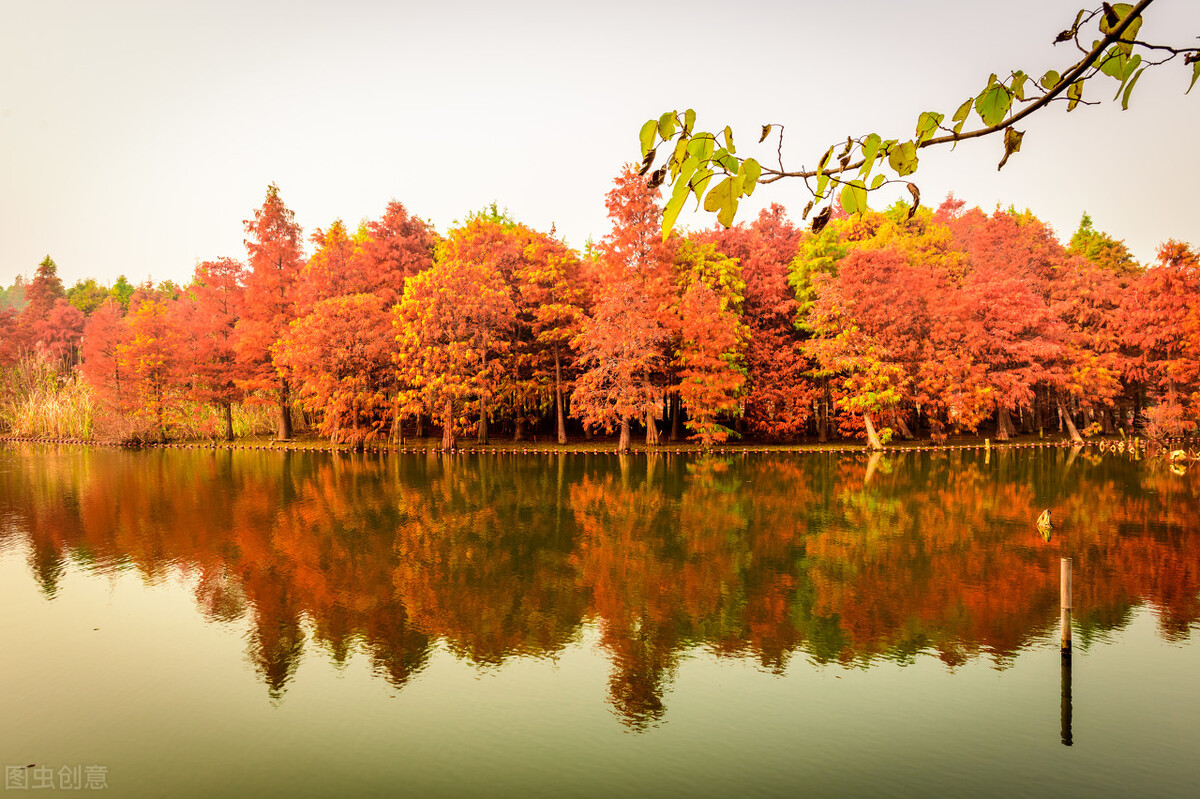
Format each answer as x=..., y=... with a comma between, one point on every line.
x=1065, y=606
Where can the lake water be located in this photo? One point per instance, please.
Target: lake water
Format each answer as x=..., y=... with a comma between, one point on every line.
x=203, y=623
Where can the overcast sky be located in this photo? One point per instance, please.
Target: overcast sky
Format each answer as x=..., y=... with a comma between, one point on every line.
x=136, y=136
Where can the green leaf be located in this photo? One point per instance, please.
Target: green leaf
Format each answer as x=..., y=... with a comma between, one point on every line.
x=854, y=197
x=1131, y=65
x=1120, y=11
x=822, y=182
x=993, y=103
x=716, y=196
x=666, y=125
x=689, y=121
x=690, y=164
x=723, y=198
x=729, y=163
x=963, y=111
x=1129, y=88
x=878, y=181
x=727, y=213
x=673, y=207
x=729, y=139
x=699, y=182
x=824, y=162
x=927, y=124
x=1012, y=144
x=1050, y=79
x=903, y=158
x=677, y=157
x=1074, y=94
x=1195, y=76
x=751, y=170
x=701, y=145
x=647, y=136
x=1017, y=85
x=870, y=148
x=1113, y=63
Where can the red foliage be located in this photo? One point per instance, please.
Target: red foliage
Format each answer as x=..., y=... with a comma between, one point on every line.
x=151, y=352
x=1159, y=324
x=103, y=367
x=454, y=325
x=710, y=375
x=397, y=246
x=340, y=357
x=779, y=393
x=275, y=263
x=622, y=346
x=9, y=337
x=210, y=321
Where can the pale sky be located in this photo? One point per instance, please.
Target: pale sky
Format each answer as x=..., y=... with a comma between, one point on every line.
x=136, y=136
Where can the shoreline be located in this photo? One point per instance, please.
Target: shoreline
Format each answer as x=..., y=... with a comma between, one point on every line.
x=433, y=445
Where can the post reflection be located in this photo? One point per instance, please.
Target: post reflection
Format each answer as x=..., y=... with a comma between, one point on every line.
x=1065, y=711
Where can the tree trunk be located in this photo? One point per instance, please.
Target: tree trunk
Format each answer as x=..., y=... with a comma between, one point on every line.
x=448, y=427
x=397, y=424
x=285, y=411
x=162, y=426
x=903, y=426
x=1062, y=408
x=651, y=429
x=873, y=442
x=482, y=438
x=1003, y=424
x=228, y=411
x=560, y=417
x=823, y=412
x=1106, y=419
x=420, y=431
x=676, y=416
x=623, y=441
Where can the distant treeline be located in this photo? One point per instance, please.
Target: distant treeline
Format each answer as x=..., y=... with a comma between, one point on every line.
x=882, y=324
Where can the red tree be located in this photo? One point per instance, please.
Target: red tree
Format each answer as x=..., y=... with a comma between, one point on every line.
x=151, y=352
x=9, y=343
x=217, y=302
x=104, y=335
x=340, y=357
x=396, y=247
x=333, y=270
x=453, y=326
x=1158, y=320
x=779, y=393
x=625, y=379
x=273, y=244
x=710, y=372
x=551, y=291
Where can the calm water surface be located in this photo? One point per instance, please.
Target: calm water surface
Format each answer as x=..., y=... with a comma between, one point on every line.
x=200, y=623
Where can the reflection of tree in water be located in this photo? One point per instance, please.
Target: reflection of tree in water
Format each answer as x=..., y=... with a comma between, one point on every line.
x=484, y=558
x=754, y=557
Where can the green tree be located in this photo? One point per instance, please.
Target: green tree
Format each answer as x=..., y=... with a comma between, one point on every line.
x=121, y=291
x=1102, y=249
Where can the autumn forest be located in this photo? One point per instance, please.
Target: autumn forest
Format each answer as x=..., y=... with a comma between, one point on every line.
x=885, y=325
